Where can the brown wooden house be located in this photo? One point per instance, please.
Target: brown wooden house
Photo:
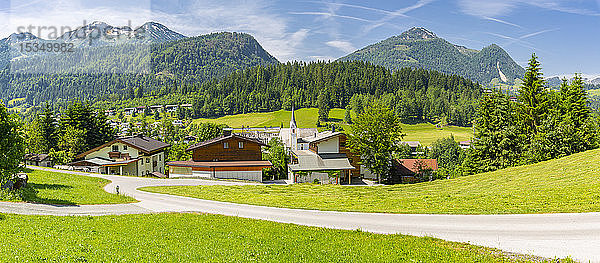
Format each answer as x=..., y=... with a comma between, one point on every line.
x=227, y=157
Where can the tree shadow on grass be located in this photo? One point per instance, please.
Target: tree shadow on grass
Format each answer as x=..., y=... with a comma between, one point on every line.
x=30, y=194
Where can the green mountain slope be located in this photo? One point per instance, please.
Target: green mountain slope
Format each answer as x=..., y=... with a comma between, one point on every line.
x=113, y=70
x=420, y=48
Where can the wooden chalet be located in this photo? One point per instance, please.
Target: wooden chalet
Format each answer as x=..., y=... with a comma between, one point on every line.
x=230, y=156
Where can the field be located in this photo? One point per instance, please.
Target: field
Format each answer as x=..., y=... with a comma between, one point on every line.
x=565, y=185
x=214, y=238
x=594, y=92
x=305, y=118
x=68, y=189
x=426, y=133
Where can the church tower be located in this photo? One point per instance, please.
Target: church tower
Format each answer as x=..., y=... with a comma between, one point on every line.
x=293, y=131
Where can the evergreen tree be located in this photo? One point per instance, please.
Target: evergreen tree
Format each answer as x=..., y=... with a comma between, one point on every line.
x=347, y=115
x=498, y=142
x=323, y=105
x=140, y=92
x=130, y=92
x=533, y=97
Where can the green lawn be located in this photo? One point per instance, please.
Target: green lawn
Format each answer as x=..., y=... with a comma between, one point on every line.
x=566, y=185
x=68, y=189
x=305, y=118
x=594, y=92
x=214, y=238
x=426, y=133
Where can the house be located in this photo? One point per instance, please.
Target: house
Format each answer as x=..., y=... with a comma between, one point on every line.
x=156, y=108
x=230, y=156
x=415, y=147
x=133, y=155
x=171, y=108
x=327, y=153
x=38, y=160
x=189, y=139
x=128, y=111
x=140, y=109
x=109, y=113
x=465, y=144
x=178, y=123
x=408, y=170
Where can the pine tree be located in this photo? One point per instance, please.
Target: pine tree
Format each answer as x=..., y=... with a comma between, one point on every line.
x=347, y=115
x=323, y=104
x=140, y=92
x=533, y=97
x=498, y=142
x=130, y=93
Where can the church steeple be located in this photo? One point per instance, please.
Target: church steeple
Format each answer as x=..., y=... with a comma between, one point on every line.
x=293, y=120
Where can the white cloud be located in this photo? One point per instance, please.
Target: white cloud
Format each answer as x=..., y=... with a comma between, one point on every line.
x=342, y=45
x=495, y=8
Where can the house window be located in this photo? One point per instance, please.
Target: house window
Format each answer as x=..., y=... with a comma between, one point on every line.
x=124, y=147
x=159, y=157
x=225, y=145
x=241, y=145
x=115, y=148
x=147, y=160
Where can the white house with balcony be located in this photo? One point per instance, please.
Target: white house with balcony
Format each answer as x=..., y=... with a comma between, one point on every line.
x=133, y=155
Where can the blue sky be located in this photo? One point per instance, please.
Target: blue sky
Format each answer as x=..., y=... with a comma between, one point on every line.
x=564, y=34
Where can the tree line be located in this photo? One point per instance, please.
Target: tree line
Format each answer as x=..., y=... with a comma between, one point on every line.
x=415, y=94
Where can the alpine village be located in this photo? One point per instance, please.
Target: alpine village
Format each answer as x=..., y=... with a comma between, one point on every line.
x=210, y=149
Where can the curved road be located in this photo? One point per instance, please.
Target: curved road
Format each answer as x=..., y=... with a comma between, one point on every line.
x=546, y=235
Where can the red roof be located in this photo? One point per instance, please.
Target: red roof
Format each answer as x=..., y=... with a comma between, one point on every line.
x=411, y=166
x=219, y=164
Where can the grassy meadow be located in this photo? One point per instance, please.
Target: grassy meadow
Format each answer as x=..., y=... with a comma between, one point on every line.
x=426, y=133
x=565, y=185
x=68, y=189
x=594, y=92
x=215, y=238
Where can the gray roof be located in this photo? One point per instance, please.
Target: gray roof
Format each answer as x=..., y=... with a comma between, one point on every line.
x=144, y=143
x=310, y=161
x=36, y=157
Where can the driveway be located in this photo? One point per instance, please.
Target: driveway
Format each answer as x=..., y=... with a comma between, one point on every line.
x=548, y=235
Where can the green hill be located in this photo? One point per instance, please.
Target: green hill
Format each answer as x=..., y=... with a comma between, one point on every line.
x=565, y=185
x=420, y=48
x=113, y=71
x=426, y=133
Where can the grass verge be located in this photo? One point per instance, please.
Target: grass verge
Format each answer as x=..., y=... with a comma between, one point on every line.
x=214, y=238
x=68, y=189
x=563, y=185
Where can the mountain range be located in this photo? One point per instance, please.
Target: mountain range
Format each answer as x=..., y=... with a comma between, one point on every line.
x=556, y=81
x=156, y=56
x=421, y=48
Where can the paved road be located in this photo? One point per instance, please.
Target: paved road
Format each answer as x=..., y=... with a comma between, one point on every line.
x=547, y=235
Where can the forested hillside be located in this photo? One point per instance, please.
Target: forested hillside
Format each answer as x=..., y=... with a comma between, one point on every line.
x=420, y=48
x=415, y=94
x=119, y=71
